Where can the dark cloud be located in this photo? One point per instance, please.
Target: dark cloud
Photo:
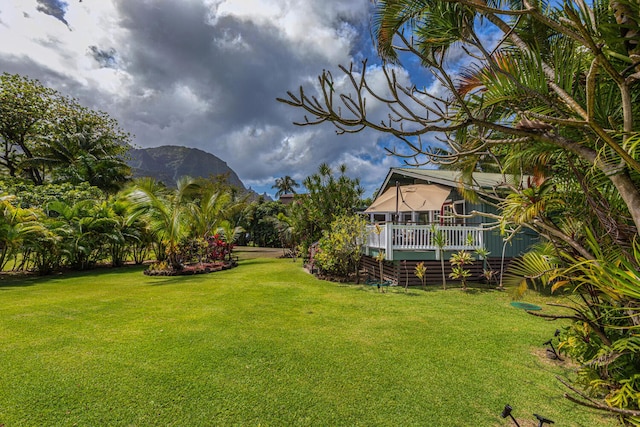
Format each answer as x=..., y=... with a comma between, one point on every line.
x=106, y=58
x=55, y=8
x=183, y=72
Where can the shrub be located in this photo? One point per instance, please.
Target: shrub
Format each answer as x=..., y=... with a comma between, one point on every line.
x=218, y=248
x=340, y=249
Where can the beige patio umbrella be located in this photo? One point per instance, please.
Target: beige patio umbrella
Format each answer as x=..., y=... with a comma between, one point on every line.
x=410, y=198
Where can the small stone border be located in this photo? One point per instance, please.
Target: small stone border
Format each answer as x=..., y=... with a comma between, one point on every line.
x=193, y=269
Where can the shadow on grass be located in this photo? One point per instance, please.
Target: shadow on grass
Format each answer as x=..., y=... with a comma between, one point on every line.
x=13, y=282
x=24, y=279
x=172, y=280
x=419, y=290
x=258, y=261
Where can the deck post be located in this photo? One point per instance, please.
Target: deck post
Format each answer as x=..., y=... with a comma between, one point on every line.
x=388, y=244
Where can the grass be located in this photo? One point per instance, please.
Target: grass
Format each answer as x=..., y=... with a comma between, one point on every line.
x=267, y=344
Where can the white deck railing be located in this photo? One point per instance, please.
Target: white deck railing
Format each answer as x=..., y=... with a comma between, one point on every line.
x=390, y=237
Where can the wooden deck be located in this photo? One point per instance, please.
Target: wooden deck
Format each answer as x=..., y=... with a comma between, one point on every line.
x=392, y=237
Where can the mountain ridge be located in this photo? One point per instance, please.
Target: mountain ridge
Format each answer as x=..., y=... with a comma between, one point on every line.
x=167, y=163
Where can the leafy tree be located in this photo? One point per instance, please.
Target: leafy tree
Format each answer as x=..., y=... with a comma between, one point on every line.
x=93, y=232
x=45, y=133
x=14, y=228
x=25, y=194
x=328, y=196
x=260, y=220
x=42, y=248
x=287, y=235
x=285, y=185
x=25, y=107
x=340, y=248
x=83, y=146
x=555, y=98
x=229, y=235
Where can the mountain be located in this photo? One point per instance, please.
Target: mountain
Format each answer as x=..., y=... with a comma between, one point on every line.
x=168, y=163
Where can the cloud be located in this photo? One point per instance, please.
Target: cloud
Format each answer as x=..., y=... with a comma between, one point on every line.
x=203, y=73
x=55, y=8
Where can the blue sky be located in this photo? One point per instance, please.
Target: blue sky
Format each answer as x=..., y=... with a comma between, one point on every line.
x=203, y=74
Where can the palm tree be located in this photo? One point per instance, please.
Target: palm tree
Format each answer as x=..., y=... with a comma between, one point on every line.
x=90, y=229
x=167, y=212
x=229, y=234
x=440, y=241
x=214, y=204
x=14, y=228
x=285, y=185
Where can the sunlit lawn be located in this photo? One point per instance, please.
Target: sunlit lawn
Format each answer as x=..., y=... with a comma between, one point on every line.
x=267, y=344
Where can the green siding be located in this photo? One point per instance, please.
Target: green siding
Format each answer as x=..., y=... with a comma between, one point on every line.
x=494, y=242
x=419, y=255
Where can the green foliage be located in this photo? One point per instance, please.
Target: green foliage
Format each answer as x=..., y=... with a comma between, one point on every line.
x=328, y=196
x=285, y=185
x=421, y=273
x=554, y=103
x=79, y=227
x=458, y=261
x=49, y=137
x=196, y=209
x=340, y=249
x=28, y=195
x=193, y=250
x=259, y=220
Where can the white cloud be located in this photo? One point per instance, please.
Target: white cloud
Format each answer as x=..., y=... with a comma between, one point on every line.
x=203, y=73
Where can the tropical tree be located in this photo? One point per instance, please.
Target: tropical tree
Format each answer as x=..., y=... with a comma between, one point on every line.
x=440, y=241
x=229, y=234
x=25, y=194
x=285, y=185
x=45, y=133
x=459, y=261
x=287, y=235
x=214, y=203
x=82, y=145
x=14, y=228
x=340, y=248
x=167, y=212
x=554, y=96
x=327, y=197
x=25, y=106
x=42, y=247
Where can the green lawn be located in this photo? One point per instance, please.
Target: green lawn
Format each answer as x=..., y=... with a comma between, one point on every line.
x=267, y=344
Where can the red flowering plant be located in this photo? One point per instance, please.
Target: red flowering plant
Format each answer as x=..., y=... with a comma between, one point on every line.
x=219, y=249
x=193, y=250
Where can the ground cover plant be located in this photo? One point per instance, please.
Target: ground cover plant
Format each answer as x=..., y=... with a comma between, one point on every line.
x=268, y=344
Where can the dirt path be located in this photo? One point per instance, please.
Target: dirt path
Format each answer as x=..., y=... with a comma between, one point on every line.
x=250, y=252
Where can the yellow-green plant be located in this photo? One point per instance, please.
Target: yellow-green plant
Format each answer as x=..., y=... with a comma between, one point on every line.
x=380, y=258
x=440, y=241
x=421, y=273
x=458, y=262
x=488, y=272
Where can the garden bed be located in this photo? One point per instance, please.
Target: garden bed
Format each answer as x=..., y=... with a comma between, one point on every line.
x=191, y=269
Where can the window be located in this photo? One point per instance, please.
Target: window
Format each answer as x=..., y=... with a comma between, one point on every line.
x=447, y=215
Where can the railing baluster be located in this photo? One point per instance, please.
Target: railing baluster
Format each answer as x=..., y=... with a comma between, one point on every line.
x=420, y=237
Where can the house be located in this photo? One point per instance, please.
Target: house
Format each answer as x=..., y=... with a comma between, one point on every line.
x=415, y=207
